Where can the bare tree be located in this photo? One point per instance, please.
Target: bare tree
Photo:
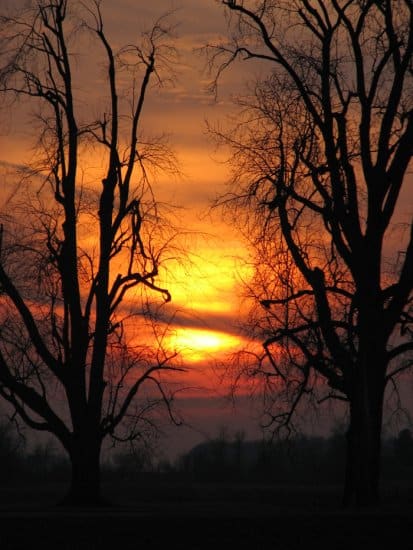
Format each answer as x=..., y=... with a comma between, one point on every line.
x=79, y=267
x=320, y=155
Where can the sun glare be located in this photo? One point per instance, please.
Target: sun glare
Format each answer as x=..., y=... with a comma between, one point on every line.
x=196, y=345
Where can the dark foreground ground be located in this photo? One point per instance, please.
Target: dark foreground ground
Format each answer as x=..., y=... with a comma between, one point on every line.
x=190, y=516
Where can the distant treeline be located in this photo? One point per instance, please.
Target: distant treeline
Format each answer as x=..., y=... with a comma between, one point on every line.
x=299, y=460
x=21, y=463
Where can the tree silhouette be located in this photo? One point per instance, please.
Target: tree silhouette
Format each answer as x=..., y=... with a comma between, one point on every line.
x=320, y=155
x=79, y=262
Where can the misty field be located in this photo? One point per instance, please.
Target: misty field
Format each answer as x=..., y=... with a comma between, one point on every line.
x=192, y=516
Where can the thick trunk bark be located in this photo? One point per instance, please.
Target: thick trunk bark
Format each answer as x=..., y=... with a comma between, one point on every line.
x=85, y=486
x=364, y=441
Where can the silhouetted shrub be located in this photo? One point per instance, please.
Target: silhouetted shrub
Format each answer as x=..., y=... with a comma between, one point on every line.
x=129, y=463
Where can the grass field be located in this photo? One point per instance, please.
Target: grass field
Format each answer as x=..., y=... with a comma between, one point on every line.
x=201, y=516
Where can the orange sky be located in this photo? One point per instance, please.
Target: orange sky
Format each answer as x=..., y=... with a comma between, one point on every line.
x=206, y=291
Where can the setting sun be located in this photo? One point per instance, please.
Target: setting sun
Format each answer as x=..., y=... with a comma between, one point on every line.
x=196, y=345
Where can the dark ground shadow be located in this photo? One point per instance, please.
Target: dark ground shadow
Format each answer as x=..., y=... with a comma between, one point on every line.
x=201, y=516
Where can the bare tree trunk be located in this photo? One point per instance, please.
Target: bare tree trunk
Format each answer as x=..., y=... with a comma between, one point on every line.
x=85, y=487
x=364, y=440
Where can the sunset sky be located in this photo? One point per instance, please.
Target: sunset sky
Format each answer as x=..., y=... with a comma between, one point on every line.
x=206, y=291
x=207, y=307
